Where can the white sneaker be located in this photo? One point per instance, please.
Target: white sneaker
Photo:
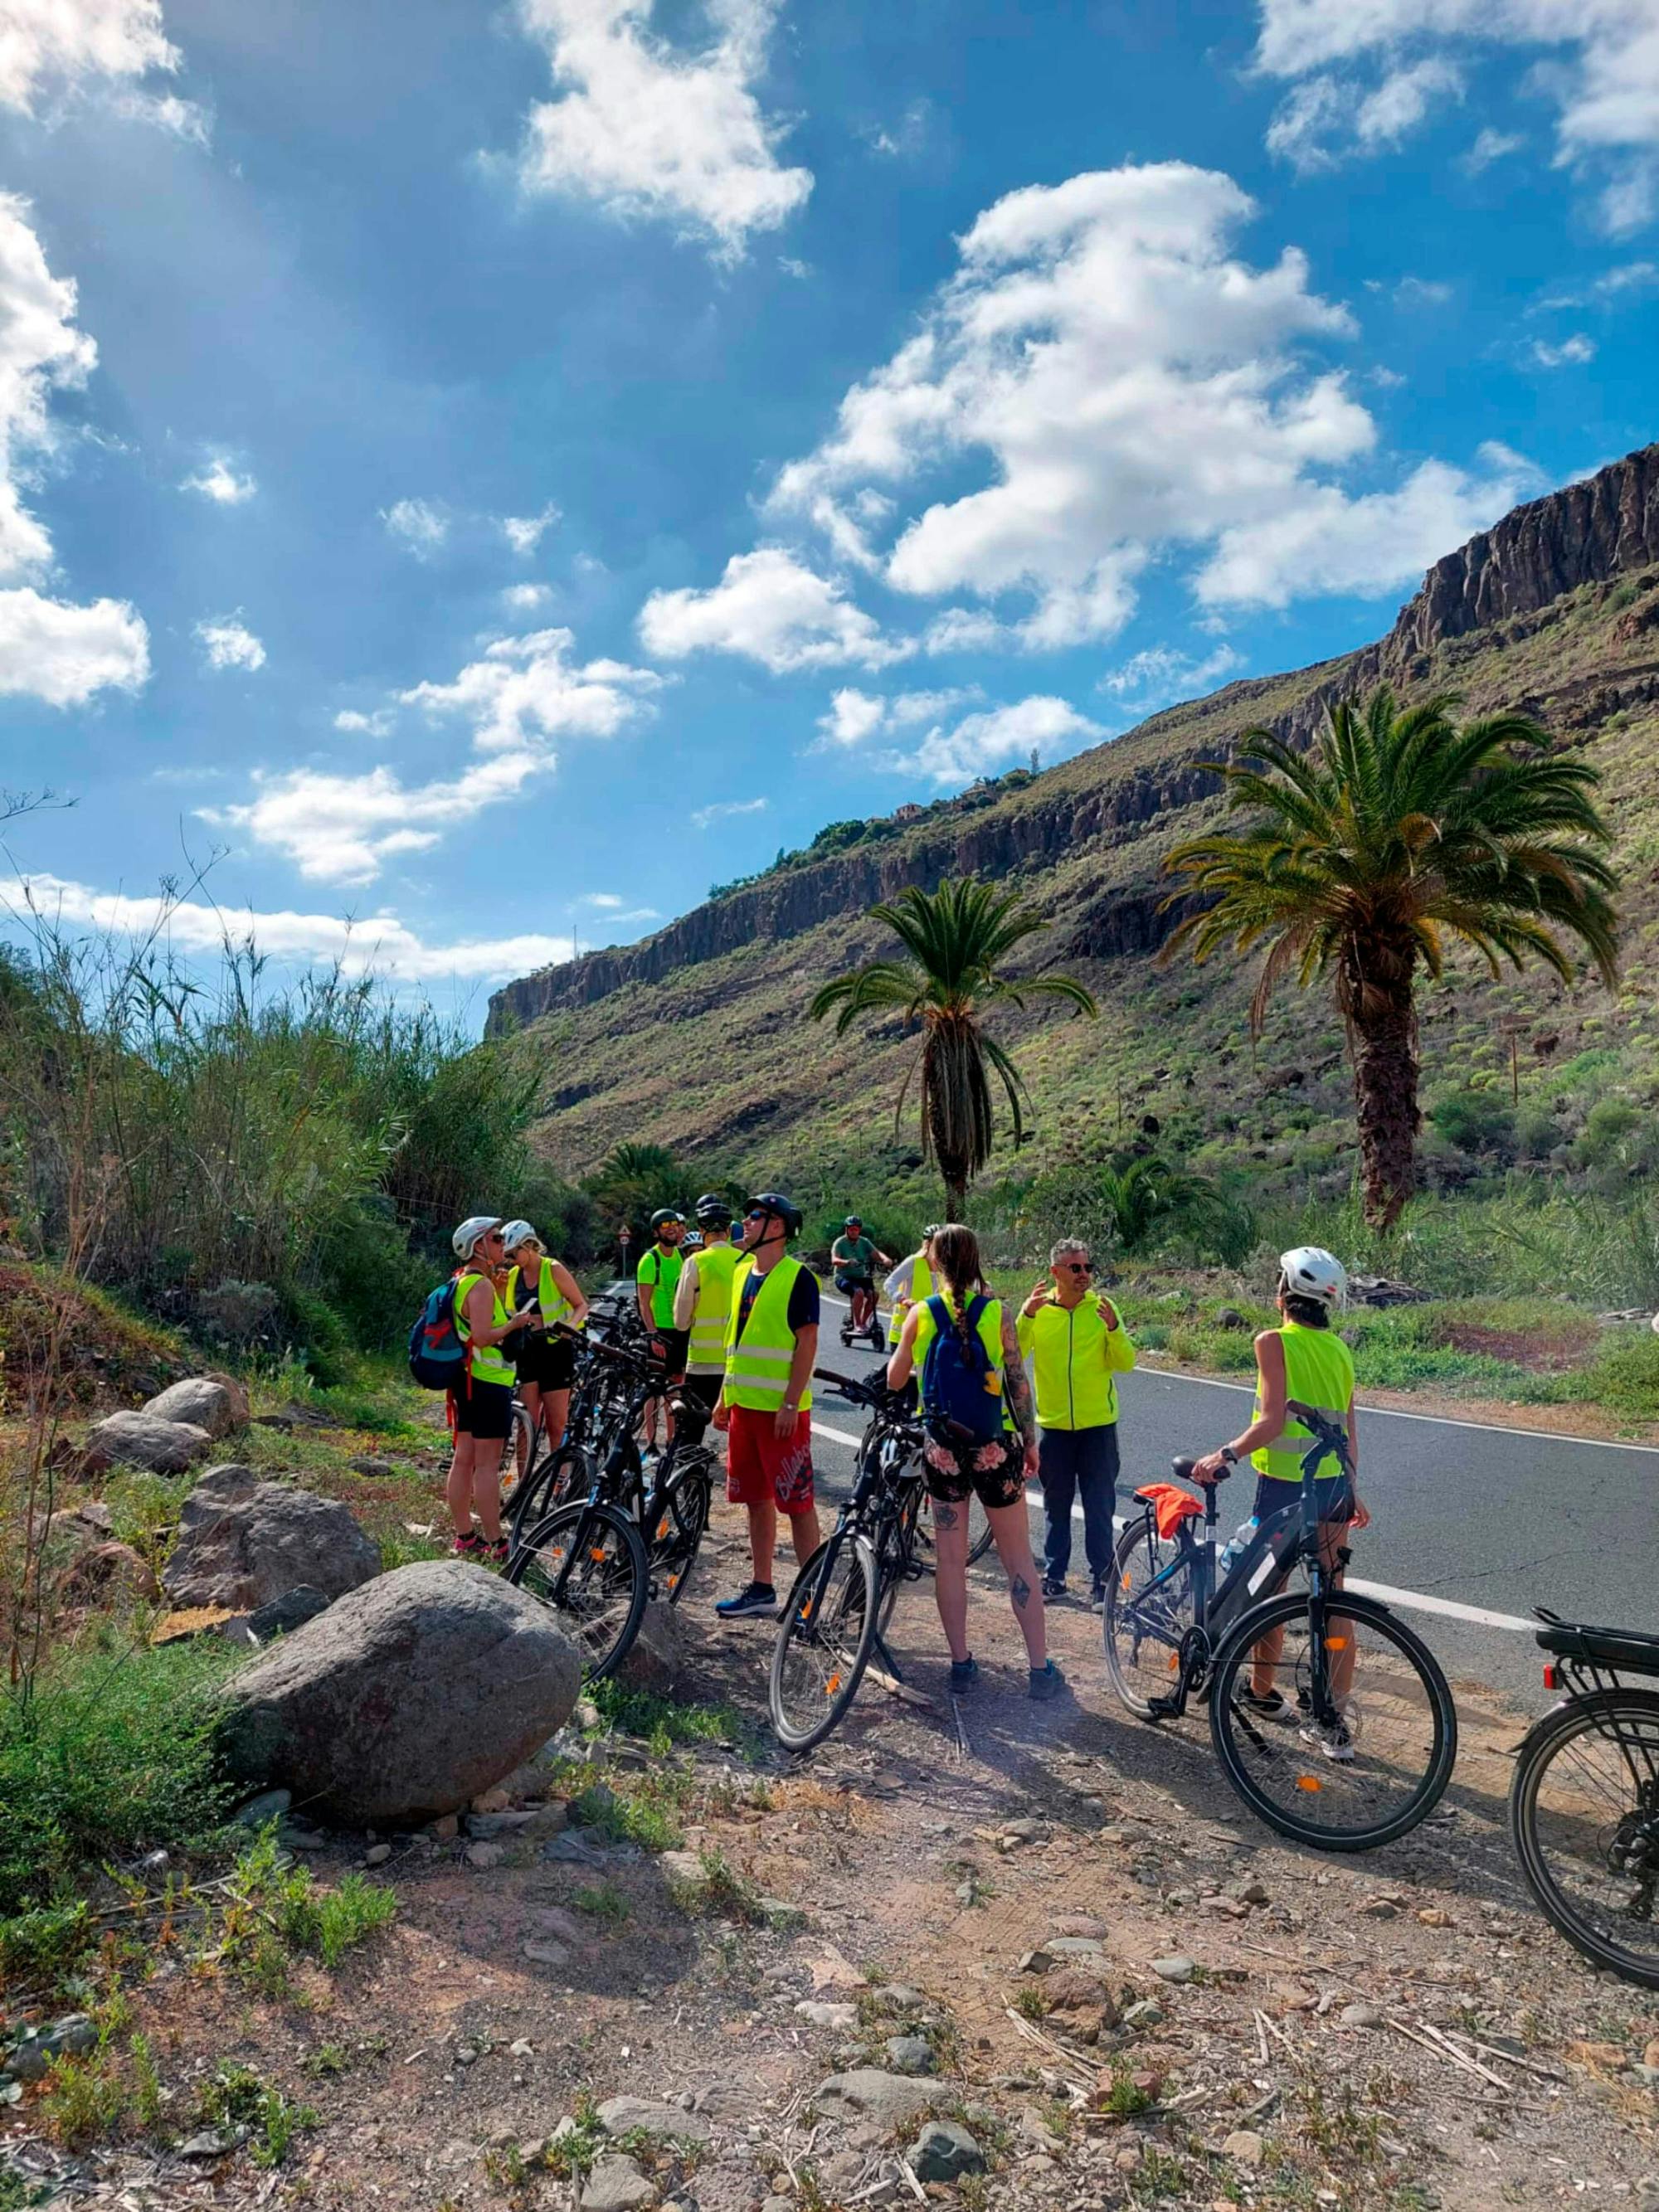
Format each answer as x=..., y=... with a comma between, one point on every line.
x=1333, y=1743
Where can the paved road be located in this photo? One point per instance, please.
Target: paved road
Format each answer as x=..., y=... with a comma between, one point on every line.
x=1472, y=1526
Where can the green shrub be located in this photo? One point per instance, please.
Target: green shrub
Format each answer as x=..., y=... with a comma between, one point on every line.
x=1624, y=1376
x=1475, y=1120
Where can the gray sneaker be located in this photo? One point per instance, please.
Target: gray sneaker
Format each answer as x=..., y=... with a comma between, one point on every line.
x=1047, y=1682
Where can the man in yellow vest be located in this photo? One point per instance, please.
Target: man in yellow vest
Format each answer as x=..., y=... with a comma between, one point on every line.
x=1077, y=1344
x=702, y=1300
x=910, y=1284
x=771, y=1342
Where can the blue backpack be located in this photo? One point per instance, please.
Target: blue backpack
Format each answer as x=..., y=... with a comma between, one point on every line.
x=961, y=1384
x=437, y=1356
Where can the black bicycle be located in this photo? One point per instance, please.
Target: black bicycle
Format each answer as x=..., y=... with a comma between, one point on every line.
x=1585, y=1802
x=837, y=1614
x=1331, y=1719
x=871, y=1391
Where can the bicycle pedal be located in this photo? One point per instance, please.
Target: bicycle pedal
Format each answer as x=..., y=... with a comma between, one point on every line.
x=1162, y=1709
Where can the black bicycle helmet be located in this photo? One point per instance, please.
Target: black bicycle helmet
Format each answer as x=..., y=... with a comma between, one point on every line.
x=854, y=1221
x=666, y=1214
x=780, y=1208
x=711, y=1206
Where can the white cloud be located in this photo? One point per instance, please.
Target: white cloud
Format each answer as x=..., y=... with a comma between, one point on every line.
x=218, y=481
x=525, y=532
x=61, y=45
x=1159, y=673
x=380, y=943
x=770, y=607
x=723, y=810
x=1600, y=67
x=523, y=689
x=1489, y=146
x=64, y=653
x=355, y=723
x=526, y=598
x=417, y=524
x=998, y=738
x=855, y=715
x=1571, y=353
x=648, y=129
x=229, y=643
x=906, y=138
x=1421, y=292
x=1114, y=383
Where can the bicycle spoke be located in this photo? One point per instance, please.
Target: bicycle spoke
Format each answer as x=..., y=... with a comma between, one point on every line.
x=585, y=1565
x=1592, y=1847
x=824, y=1639
x=1149, y=1610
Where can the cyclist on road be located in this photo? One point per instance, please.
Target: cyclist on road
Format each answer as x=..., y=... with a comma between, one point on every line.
x=771, y=1342
x=1306, y=1360
x=538, y=1287
x=1077, y=1344
x=481, y=1409
x=702, y=1299
x=959, y=1331
x=911, y=1280
x=854, y=1258
x=656, y=1278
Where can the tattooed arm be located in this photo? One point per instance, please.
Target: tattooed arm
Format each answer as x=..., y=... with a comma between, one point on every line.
x=1017, y=1383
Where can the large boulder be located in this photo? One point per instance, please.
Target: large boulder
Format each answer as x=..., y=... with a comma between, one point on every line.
x=406, y=1700
x=243, y=1542
x=213, y=1403
x=656, y=1658
x=145, y=1440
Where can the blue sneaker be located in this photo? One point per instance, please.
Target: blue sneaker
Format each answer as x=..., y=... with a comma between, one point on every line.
x=758, y=1602
x=1047, y=1682
x=964, y=1673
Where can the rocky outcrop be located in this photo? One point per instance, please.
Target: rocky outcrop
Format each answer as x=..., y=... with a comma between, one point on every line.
x=217, y=1403
x=144, y=1440
x=245, y=1543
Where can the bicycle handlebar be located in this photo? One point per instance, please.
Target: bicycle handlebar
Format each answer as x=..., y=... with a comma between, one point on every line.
x=872, y=1392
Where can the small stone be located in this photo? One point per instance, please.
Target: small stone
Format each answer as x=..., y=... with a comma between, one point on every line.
x=866, y=2093
x=1075, y=1946
x=910, y=2054
x=1035, y=1962
x=944, y=2152
x=651, y=2116
x=213, y=2142
x=545, y=1954
x=269, y=1805
x=1362, y=2015
x=445, y=1829
x=839, y=2019
x=491, y=1801
x=1248, y=1893
x=1245, y=2146
x=485, y=1857
x=1175, y=1968
x=377, y=1854
x=616, y=2185
x=1146, y=2013
x=1433, y=1916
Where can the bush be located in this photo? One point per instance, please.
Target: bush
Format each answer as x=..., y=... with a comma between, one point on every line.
x=1475, y=1120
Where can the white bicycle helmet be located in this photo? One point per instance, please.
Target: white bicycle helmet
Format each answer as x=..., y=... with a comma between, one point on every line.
x=514, y=1233
x=1309, y=1271
x=466, y=1239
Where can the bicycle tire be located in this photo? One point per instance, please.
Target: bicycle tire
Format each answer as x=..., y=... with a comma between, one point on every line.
x=1247, y=1752
x=681, y=1518
x=831, y=1609
x=600, y=1612
x=517, y=1461
x=560, y=1478
x=1129, y=1620
x=1547, y=1740
x=897, y=1548
x=980, y=1537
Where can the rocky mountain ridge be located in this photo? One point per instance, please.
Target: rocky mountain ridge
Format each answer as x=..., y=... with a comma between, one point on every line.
x=1590, y=531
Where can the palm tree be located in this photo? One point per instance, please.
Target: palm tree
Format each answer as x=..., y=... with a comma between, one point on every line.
x=958, y=938
x=1397, y=831
x=1147, y=1200
x=632, y=1179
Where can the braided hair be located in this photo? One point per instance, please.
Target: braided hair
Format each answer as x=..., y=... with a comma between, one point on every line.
x=957, y=1262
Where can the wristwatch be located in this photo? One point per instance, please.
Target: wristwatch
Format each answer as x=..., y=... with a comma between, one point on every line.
x=1229, y=1455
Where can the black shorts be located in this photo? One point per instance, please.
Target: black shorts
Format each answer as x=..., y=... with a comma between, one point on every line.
x=676, y=1345
x=549, y=1362
x=847, y=1284
x=705, y=1389
x=483, y=1409
x=993, y=1473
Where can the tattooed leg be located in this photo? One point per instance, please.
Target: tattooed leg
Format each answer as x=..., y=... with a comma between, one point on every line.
x=950, y=1573
x=945, y=1516
x=1010, y=1527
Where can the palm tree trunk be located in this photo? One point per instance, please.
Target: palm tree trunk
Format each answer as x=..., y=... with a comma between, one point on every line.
x=1383, y=1034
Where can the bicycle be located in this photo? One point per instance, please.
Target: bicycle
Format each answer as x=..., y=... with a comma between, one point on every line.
x=1171, y=1633
x=1584, y=1800
x=838, y=1611
x=979, y=1539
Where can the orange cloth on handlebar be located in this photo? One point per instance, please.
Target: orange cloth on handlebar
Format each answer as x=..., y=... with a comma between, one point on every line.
x=1170, y=1506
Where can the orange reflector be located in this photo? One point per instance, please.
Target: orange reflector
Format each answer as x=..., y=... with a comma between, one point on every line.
x=662, y=1527
x=1552, y=1678
x=596, y=1551
x=1175, y=1661
x=1310, y=1782
x=1125, y=1583
x=1336, y=1642
x=832, y=1686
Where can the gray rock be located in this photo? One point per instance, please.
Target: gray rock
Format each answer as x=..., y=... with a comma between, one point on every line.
x=616, y=2185
x=1143, y=2015
x=144, y=1440
x=269, y=1805
x=1246, y=2146
x=1174, y=1969
x=485, y=1857
x=213, y=2142
x=839, y=2019
x=245, y=1543
x=72, y=2037
x=213, y=1402
x=286, y=1614
x=544, y=1952
x=1075, y=1946
x=910, y=2054
x=656, y=1659
x=377, y=1854
x=1362, y=2015
x=617, y=2115
x=888, y=2100
x=406, y=1700
x=945, y=2151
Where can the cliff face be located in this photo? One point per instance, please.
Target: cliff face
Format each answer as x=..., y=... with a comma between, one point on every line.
x=1587, y=533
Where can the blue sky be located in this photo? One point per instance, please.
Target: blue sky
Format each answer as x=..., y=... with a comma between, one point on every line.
x=483, y=475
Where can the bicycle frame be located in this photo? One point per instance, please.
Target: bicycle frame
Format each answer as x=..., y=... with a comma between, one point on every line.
x=877, y=1497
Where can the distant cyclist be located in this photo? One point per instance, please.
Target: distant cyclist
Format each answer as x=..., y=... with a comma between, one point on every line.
x=656, y=1278
x=702, y=1300
x=1306, y=1360
x=912, y=1278
x=856, y=1259
x=538, y=1287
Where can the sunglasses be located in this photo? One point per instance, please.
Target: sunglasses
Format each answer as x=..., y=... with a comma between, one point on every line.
x=1076, y=1266
x=756, y=1214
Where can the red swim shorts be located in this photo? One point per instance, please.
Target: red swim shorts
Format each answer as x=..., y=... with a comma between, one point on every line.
x=761, y=1465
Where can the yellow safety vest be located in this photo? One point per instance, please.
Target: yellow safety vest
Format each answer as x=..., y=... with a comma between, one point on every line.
x=1075, y=1356
x=1319, y=1370
x=488, y=1364
x=550, y=1297
x=922, y=1286
x=715, y=1264
x=758, y=1362
x=990, y=1335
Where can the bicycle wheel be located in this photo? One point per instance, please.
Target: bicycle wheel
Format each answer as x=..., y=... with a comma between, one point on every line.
x=824, y=1640
x=1150, y=1607
x=517, y=1456
x=1585, y=1815
x=587, y=1563
x=1399, y=1716
x=979, y=1539
x=896, y=1550
x=562, y=1478
x=681, y=1519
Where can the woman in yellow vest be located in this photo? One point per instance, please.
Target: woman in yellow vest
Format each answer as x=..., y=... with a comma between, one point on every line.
x=909, y=1282
x=1305, y=1360
x=1077, y=1344
x=537, y=1286
x=958, y=1468
x=481, y=1408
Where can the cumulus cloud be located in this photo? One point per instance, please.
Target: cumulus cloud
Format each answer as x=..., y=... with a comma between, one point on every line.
x=855, y=715
x=526, y=598
x=770, y=606
x=525, y=532
x=227, y=642
x=525, y=688
x=1363, y=77
x=649, y=129
x=50, y=46
x=1490, y=146
x=724, y=810
x=417, y=525
x=1571, y=353
x=49, y=647
x=217, y=480
x=1111, y=383
x=355, y=723
x=378, y=943
x=998, y=738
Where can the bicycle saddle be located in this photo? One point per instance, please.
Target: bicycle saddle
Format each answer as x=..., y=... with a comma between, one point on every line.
x=1607, y=1647
x=1183, y=1470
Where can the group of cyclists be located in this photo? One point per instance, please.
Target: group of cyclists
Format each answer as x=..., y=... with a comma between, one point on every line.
x=733, y=1320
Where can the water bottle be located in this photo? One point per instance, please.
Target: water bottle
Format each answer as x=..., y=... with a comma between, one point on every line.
x=1237, y=1544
